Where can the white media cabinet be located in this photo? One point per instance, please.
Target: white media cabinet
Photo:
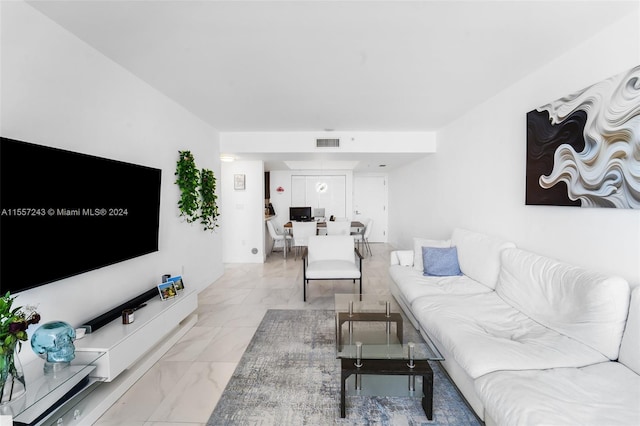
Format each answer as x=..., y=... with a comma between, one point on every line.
x=125, y=353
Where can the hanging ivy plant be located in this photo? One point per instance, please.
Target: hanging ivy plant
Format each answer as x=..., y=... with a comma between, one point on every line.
x=209, y=208
x=187, y=180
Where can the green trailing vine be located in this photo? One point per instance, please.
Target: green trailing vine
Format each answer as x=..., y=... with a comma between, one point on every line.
x=198, y=199
x=188, y=179
x=209, y=208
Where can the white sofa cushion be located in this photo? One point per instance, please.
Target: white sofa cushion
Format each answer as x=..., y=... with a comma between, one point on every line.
x=585, y=305
x=485, y=334
x=413, y=284
x=332, y=269
x=418, y=243
x=479, y=255
x=402, y=257
x=630, y=347
x=597, y=395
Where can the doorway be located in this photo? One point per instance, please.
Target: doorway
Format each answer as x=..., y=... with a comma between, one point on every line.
x=370, y=202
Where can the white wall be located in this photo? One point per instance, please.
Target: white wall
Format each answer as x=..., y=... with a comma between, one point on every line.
x=242, y=213
x=58, y=91
x=282, y=200
x=477, y=178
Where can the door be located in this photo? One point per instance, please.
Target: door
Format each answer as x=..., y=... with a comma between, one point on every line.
x=370, y=202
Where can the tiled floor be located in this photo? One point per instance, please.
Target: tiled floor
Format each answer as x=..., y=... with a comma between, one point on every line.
x=182, y=389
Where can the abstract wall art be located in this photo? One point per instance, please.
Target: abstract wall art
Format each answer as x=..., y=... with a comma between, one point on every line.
x=583, y=150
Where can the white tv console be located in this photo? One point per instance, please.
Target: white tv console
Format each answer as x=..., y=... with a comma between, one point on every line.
x=119, y=354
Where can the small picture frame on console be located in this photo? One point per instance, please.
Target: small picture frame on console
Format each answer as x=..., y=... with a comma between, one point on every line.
x=167, y=290
x=177, y=282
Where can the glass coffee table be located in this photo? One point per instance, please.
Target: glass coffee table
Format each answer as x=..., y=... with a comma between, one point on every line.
x=373, y=342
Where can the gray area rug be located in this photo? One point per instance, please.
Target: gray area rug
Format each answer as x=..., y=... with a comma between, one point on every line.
x=289, y=375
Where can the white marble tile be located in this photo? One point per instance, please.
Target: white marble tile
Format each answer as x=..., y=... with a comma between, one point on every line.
x=195, y=394
x=223, y=296
x=174, y=424
x=192, y=344
x=232, y=315
x=228, y=345
x=143, y=398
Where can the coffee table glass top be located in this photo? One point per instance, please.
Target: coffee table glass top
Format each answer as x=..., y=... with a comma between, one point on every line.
x=375, y=327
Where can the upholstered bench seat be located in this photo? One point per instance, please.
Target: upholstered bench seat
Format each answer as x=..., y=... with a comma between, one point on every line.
x=330, y=269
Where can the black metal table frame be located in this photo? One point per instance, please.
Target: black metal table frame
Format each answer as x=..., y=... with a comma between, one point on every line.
x=396, y=367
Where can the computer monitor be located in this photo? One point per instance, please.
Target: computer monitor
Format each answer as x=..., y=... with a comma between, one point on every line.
x=319, y=212
x=300, y=214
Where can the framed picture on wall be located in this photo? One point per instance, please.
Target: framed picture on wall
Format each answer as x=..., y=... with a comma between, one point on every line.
x=239, y=182
x=582, y=149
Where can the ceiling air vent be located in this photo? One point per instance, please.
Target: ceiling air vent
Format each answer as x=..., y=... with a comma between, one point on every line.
x=327, y=143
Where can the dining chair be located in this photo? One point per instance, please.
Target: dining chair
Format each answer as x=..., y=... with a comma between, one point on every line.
x=363, y=237
x=279, y=236
x=301, y=233
x=338, y=228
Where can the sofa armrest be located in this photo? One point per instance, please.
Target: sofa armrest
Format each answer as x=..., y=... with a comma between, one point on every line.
x=401, y=257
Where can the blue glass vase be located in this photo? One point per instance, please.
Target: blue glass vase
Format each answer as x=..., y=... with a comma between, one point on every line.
x=53, y=341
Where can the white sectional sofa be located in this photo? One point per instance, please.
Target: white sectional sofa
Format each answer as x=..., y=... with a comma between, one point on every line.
x=527, y=339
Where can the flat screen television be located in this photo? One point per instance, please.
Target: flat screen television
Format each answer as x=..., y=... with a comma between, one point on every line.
x=64, y=213
x=300, y=214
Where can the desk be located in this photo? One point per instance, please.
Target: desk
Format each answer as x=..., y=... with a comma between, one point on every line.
x=322, y=225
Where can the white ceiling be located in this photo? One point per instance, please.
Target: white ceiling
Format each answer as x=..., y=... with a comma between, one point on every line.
x=345, y=65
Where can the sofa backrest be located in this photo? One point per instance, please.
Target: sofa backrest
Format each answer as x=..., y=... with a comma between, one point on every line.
x=418, y=243
x=630, y=346
x=479, y=255
x=585, y=305
x=331, y=247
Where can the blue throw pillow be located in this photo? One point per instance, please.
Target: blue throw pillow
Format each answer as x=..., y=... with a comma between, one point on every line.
x=440, y=261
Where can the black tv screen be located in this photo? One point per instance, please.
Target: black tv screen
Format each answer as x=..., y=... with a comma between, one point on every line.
x=64, y=213
x=300, y=214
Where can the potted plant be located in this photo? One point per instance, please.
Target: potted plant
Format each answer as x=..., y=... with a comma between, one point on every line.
x=198, y=199
x=13, y=331
x=208, y=208
x=187, y=180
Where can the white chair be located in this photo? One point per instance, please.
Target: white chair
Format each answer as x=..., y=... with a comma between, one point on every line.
x=301, y=233
x=363, y=237
x=338, y=228
x=331, y=257
x=279, y=237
